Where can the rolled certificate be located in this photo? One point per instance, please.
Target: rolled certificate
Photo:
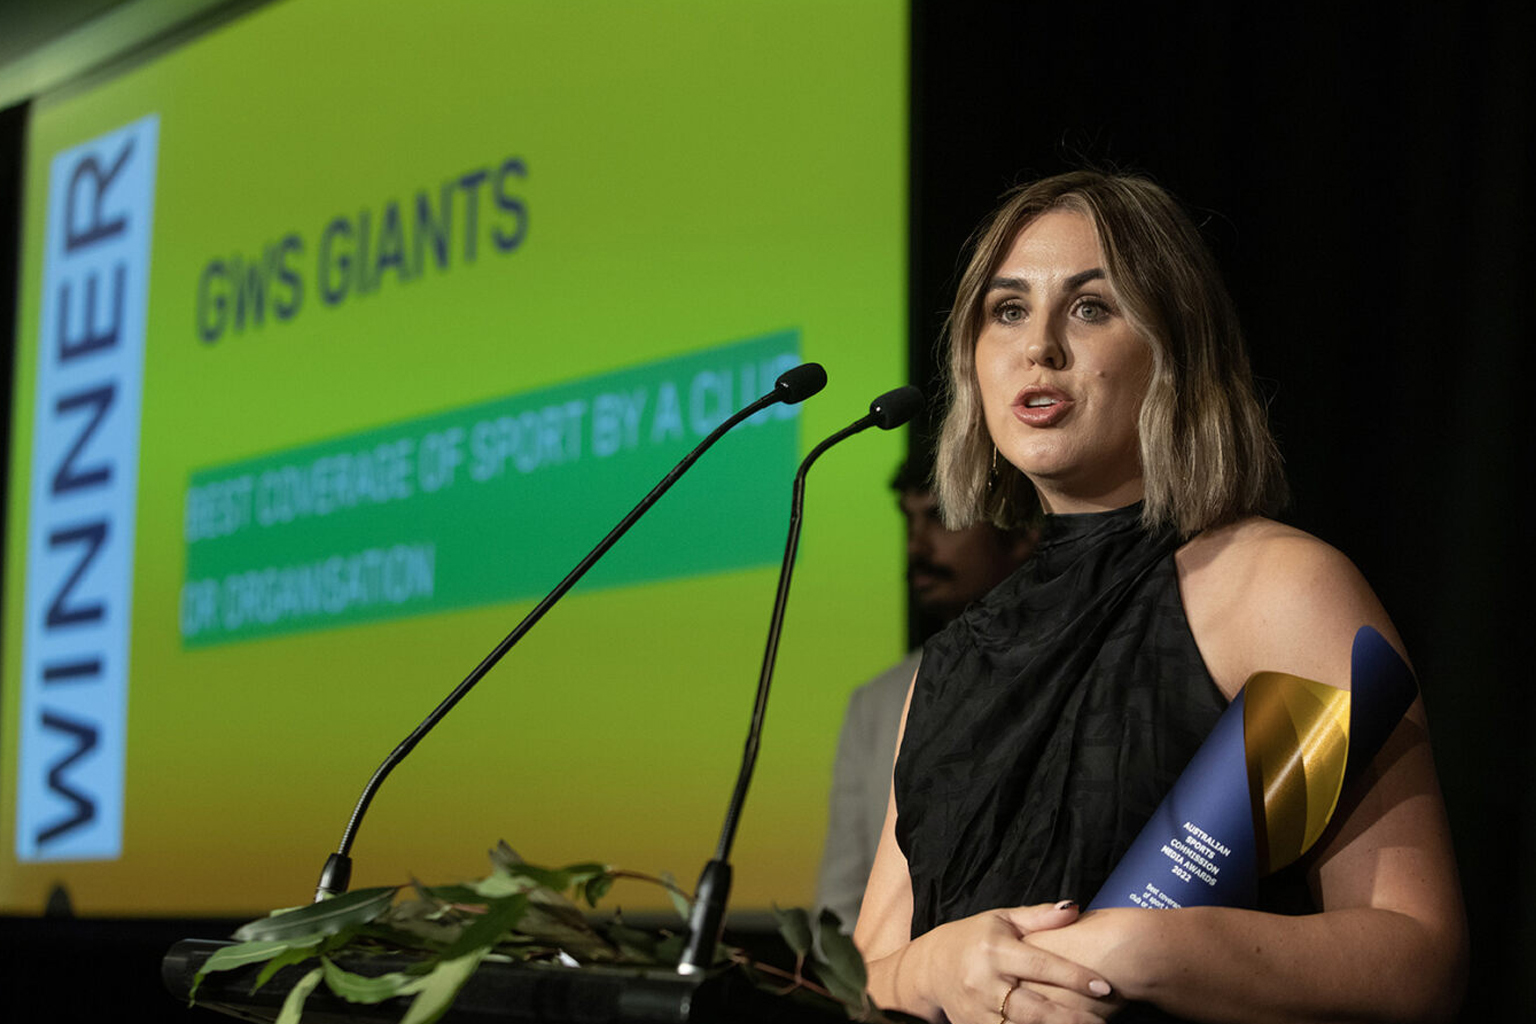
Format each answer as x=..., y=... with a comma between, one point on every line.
x=1264, y=785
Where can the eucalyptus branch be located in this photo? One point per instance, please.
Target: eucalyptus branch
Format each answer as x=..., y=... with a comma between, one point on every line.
x=522, y=912
x=796, y=978
x=667, y=883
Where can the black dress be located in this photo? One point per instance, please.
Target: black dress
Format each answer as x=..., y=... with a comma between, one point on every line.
x=1048, y=722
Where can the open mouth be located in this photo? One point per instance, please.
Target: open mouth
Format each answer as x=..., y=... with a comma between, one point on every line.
x=1041, y=406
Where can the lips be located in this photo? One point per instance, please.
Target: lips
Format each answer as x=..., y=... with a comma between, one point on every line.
x=922, y=573
x=1041, y=406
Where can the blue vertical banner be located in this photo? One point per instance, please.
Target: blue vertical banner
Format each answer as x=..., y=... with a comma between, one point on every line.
x=83, y=492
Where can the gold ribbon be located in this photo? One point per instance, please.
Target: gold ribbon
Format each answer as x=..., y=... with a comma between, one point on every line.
x=1296, y=736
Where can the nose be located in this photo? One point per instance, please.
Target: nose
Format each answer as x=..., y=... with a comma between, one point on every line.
x=919, y=536
x=914, y=540
x=1043, y=346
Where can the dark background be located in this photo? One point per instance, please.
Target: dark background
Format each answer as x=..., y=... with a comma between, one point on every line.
x=1364, y=175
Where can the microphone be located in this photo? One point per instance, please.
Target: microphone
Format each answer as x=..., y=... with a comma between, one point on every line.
x=892, y=409
x=796, y=384
x=793, y=386
x=707, y=919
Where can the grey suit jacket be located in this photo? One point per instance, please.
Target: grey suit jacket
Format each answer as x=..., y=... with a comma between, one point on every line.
x=861, y=786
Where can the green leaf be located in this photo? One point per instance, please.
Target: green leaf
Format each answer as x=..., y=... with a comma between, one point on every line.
x=435, y=992
x=323, y=918
x=417, y=923
x=513, y=874
x=503, y=856
x=486, y=930
x=633, y=943
x=294, y=954
x=670, y=949
x=840, y=964
x=596, y=888
x=680, y=902
x=795, y=926
x=230, y=958
x=558, y=900
x=548, y=878
x=293, y=1006
x=838, y=950
x=453, y=893
x=498, y=885
x=285, y=910
x=358, y=988
x=563, y=926
x=435, y=904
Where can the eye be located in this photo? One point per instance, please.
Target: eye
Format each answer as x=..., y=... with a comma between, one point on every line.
x=1093, y=310
x=1009, y=311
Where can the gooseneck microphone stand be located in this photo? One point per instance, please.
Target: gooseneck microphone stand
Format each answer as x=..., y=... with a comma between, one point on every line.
x=707, y=918
x=793, y=386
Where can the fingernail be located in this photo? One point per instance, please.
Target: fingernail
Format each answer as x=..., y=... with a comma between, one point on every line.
x=1099, y=987
x=1066, y=904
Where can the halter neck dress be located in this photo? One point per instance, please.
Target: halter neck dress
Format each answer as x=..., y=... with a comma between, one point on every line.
x=1048, y=722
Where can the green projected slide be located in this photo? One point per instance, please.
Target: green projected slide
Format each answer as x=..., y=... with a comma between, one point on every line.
x=345, y=330
x=403, y=520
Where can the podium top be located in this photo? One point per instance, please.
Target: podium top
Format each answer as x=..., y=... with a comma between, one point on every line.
x=499, y=991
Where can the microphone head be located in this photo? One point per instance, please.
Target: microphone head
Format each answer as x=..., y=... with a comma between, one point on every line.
x=800, y=383
x=894, y=408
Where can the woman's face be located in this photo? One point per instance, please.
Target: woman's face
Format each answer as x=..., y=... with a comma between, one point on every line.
x=1062, y=372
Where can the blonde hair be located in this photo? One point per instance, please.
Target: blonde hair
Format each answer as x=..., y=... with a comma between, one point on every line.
x=1207, y=456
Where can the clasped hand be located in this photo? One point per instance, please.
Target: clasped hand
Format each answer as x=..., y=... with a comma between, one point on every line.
x=982, y=970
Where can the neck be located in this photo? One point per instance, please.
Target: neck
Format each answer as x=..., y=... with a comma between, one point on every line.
x=1059, y=501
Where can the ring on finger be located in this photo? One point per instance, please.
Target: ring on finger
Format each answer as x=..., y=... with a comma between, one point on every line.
x=1002, y=1007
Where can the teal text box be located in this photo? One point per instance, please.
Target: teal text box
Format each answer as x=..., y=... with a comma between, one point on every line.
x=495, y=501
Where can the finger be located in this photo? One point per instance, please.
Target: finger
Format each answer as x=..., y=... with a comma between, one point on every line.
x=1042, y=916
x=1100, y=1009
x=1031, y=963
x=1046, y=1004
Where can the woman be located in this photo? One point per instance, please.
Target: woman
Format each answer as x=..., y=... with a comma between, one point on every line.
x=1097, y=374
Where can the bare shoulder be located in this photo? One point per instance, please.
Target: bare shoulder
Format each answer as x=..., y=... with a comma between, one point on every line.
x=1263, y=596
x=1258, y=552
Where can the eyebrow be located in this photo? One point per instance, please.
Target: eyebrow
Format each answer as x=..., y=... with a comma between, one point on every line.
x=1018, y=284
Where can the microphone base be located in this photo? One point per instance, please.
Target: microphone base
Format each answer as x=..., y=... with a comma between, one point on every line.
x=707, y=920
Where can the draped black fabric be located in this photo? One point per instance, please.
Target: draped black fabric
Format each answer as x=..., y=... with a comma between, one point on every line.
x=1049, y=721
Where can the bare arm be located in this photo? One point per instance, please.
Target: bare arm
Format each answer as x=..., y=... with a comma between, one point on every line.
x=1390, y=943
x=962, y=970
x=885, y=917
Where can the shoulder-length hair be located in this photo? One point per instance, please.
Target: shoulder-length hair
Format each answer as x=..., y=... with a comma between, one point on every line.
x=1207, y=456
